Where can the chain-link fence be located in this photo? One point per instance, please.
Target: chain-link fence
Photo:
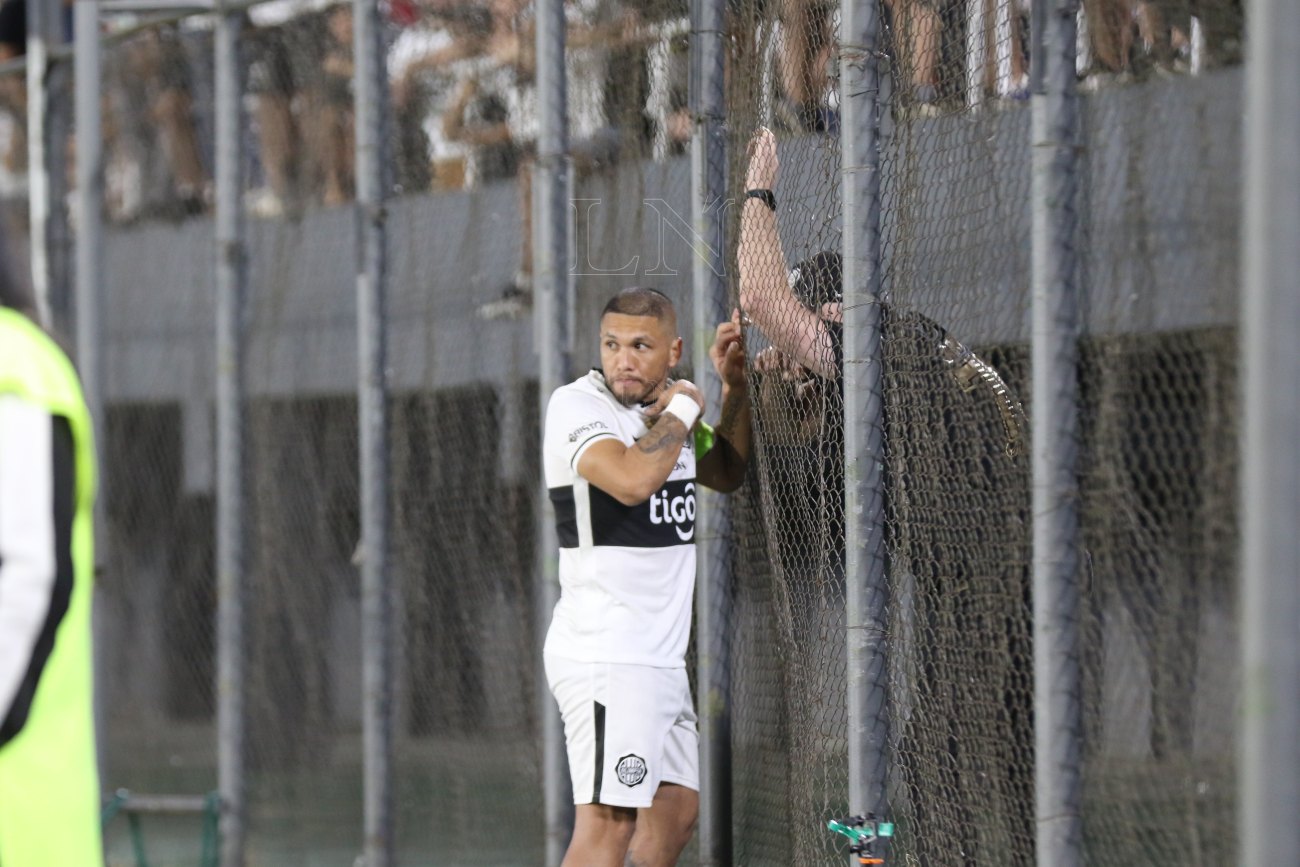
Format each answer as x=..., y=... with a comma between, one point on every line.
x=956, y=274
x=790, y=709
x=1158, y=474
x=1157, y=263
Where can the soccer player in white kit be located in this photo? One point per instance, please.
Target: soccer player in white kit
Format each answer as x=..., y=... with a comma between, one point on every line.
x=623, y=452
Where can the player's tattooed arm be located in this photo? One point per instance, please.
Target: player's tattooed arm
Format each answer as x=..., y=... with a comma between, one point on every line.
x=735, y=424
x=723, y=468
x=631, y=474
x=667, y=433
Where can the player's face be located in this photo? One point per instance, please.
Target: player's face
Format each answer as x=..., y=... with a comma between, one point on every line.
x=636, y=353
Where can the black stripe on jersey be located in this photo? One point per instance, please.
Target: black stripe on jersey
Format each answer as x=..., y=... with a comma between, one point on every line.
x=666, y=519
x=566, y=516
x=65, y=489
x=600, y=752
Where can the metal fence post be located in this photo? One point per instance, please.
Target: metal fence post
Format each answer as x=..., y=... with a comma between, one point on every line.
x=87, y=71
x=369, y=88
x=231, y=285
x=866, y=591
x=1269, y=770
x=713, y=593
x=46, y=125
x=552, y=304
x=1058, y=732
x=89, y=202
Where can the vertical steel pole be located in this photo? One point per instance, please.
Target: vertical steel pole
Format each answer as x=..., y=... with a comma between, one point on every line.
x=1269, y=776
x=372, y=345
x=1054, y=358
x=59, y=117
x=553, y=301
x=866, y=592
x=87, y=68
x=42, y=33
x=713, y=584
x=89, y=203
x=231, y=285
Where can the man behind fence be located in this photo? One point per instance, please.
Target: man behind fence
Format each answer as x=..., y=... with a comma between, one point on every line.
x=49, y=787
x=623, y=450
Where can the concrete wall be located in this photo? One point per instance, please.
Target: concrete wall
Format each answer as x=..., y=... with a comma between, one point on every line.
x=1160, y=240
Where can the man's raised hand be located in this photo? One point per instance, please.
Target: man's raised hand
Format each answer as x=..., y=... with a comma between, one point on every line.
x=728, y=352
x=763, y=164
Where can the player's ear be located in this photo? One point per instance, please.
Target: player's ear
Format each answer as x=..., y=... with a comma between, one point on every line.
x=675, y=352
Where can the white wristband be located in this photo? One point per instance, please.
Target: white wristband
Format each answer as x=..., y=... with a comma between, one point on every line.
x=685, y=408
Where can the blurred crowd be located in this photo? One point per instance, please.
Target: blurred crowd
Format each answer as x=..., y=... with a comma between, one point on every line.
x=463, y=96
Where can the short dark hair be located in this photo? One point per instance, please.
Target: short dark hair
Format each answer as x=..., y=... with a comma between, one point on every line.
x=642, y=301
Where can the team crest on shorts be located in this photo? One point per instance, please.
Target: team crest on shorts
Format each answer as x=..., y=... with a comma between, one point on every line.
x=630, y=769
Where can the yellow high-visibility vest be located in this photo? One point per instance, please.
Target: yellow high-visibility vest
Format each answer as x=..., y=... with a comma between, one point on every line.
x=49, y=783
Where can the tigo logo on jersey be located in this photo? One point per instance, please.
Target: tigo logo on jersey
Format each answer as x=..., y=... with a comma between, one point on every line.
x=630, y=769
x=677, y=511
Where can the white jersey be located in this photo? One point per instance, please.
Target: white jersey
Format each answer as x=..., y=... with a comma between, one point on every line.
x=627, y=573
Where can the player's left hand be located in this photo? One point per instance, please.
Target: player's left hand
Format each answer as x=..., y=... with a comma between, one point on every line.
x=728, y=352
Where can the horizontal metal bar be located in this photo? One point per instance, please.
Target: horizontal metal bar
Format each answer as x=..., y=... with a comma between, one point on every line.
x=58, y=53
x=175, y=805
x=119, y=6
x=160, y=12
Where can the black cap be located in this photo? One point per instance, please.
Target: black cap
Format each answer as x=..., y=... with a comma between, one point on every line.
x=818, y=280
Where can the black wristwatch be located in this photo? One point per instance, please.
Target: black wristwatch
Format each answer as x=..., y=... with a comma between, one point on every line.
x=767, y=196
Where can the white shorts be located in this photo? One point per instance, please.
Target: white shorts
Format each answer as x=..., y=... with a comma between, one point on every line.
x=628, y=728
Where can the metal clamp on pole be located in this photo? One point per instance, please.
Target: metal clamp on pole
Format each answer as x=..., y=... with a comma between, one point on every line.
x=864, y=831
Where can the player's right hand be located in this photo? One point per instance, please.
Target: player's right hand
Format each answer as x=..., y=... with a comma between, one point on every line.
x=681, y=386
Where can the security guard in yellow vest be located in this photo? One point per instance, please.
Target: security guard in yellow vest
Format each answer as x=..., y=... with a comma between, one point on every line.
x=49, y=787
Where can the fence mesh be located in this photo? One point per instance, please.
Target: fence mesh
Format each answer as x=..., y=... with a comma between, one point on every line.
x=464, y=410
x=1159, y=404
x=955, y=270
x=157, y=113
x=1158, y=400
x=1156, y=462
x=157, y=594
x=302, y=597
x=789, y=707
x=956, y=167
